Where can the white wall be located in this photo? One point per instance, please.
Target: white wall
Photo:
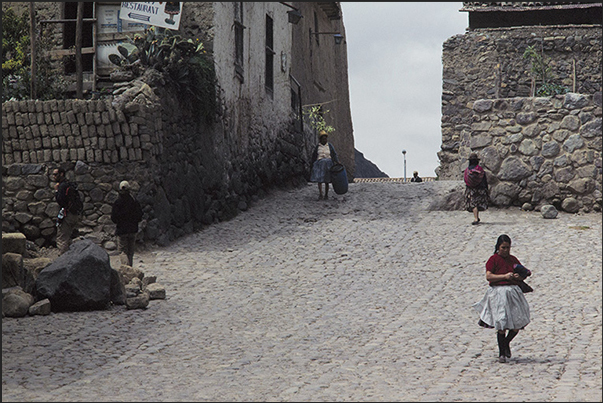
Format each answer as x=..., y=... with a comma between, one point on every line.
x=249, y=108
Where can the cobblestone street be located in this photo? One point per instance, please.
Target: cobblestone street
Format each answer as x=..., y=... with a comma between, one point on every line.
x=363, y=297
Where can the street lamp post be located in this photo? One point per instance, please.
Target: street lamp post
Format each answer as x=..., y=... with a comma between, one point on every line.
x=404, y=153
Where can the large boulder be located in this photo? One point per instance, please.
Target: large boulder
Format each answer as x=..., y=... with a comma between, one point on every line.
x=78, y=280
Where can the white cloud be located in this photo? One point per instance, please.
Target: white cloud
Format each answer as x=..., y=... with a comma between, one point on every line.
x=395, y=77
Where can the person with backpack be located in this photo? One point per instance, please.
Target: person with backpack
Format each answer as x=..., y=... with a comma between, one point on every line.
x=126, y=213
x=71, y=206
x=476, y=188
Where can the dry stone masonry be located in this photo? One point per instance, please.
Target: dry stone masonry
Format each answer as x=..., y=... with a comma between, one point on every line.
x=536, y=150
x=539, y=150
x=180, y=168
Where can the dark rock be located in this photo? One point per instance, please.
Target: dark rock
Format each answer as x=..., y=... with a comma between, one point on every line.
x=570, y=205
x=141, y=301
x=365, y=168
x=118, y=290
x=14, y=242
x=548, y=211
x=14, y=306
x=78, y=280
x=40, y=308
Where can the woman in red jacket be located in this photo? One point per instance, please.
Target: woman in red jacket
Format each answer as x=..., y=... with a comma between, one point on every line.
x=476, y=188
x=504, y=307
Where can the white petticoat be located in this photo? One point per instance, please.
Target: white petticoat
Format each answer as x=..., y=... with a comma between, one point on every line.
x=321, y=171
x=504, y=307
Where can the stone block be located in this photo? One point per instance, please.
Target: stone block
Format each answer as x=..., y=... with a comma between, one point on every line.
x=42, y=307
x=141, y=301
x=13, y=242
x=156, y=291
x=548, y=211
x=14, y=306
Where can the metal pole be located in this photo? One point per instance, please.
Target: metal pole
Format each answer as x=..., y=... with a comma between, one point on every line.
x=404, y=153
x=33, y=40
x=78, y=51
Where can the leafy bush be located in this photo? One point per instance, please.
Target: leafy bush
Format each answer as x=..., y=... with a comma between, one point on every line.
x=541, y=70
x=316, y=114
x=184, y=61
x=16, y=61
x=15, y=55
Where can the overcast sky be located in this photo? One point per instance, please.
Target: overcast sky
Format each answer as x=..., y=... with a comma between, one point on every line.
x=395, y=78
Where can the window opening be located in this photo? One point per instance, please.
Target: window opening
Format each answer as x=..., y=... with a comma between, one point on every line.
x=70, y=12
x=239, y=29
x=269, y=79
x=316, y=28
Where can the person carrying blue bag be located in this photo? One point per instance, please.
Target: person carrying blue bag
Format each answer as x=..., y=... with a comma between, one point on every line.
x=323, y=158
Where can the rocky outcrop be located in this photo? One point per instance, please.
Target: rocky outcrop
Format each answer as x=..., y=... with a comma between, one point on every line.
x=483, y=70
x=78, y=280
x=536, y=150
x=127, y=286
x=367, y=169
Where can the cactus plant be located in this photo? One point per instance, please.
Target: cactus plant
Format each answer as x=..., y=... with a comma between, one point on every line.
x=128, y=54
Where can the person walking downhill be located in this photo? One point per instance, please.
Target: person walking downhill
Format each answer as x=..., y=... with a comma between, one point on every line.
x=323, y=158
x=71, y=206
x=126, y=213
x=476, y=188
x=504, y=307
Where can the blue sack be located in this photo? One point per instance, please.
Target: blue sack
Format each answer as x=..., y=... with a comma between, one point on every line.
x=339, y=179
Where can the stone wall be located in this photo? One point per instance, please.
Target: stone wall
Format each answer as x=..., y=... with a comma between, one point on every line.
x=187, y=172
x=489, y=64
x=109, y=144
x=179, y=166
x=539, y=150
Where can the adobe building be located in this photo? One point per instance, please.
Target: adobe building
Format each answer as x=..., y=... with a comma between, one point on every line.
x=271, y=60
x=535, y=149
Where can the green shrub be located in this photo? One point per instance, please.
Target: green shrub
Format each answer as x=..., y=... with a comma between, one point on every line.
x=16, y=61
x=316, y=115
x=184, y=61
x=541, y=71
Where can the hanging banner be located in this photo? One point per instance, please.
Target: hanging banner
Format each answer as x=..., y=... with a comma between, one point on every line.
x=165, y=14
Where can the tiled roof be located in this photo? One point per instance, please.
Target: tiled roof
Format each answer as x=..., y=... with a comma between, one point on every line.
x=524, y=5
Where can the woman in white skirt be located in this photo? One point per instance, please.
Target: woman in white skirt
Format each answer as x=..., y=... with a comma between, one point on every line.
x=323, y=158
x=504, y=306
